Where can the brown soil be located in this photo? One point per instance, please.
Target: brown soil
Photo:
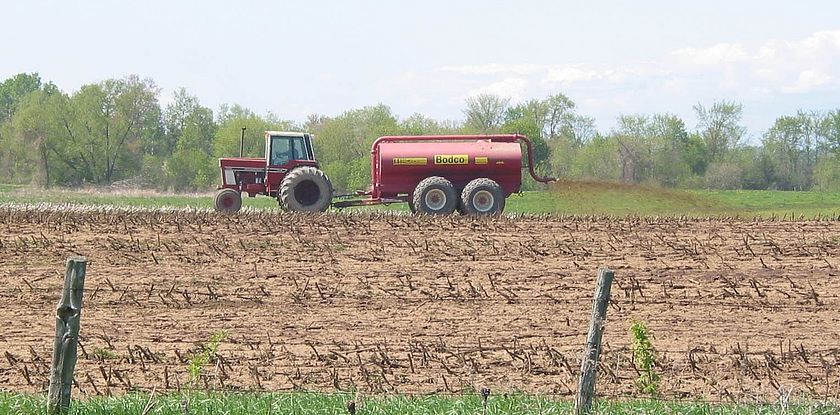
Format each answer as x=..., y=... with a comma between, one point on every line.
x=401, y=304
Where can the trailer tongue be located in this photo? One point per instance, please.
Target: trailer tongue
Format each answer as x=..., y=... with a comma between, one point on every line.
x=435, y=174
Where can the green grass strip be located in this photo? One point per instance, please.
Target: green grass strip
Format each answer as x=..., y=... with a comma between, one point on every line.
x=319, y=403
x=567, y=198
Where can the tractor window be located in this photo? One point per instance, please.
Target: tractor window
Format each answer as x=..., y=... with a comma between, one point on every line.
x=284, y=149
x=281, y=151
x=299, y=148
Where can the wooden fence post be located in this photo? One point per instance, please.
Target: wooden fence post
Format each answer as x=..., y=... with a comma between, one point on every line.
x=589, y=363
x=67, y=319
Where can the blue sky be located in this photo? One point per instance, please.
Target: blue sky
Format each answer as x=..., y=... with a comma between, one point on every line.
x=299, y=57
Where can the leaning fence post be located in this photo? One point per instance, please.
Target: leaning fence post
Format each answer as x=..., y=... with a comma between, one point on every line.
x=589, y=363
x=67, y=319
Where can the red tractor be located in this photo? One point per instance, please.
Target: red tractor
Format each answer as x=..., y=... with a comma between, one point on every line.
x=436, y=174
x=288, y=172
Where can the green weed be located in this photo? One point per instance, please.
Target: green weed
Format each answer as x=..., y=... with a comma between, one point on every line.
x=205, y=355
x=104, y=354
x=644, y=356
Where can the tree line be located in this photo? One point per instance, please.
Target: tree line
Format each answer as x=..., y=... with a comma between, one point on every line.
x=118, y=131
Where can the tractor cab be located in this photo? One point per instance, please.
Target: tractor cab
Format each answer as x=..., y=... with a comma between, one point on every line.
x=283, y=147
x=285, y=151
x=288, y=172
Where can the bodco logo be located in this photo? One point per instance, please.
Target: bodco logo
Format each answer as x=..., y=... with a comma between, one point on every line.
x=452, y=159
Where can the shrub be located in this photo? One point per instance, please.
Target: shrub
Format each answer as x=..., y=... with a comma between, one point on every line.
x=723, y=176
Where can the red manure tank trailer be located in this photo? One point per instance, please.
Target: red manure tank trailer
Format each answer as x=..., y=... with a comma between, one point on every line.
x=434, y=174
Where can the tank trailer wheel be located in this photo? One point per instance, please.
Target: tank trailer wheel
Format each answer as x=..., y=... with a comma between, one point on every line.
x=482, y=197
x=305, y=189
x=460, y=208
x=411, y=204
x=227, y=201
x=434, y=196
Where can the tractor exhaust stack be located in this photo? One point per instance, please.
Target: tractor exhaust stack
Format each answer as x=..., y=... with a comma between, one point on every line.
x=242, y=143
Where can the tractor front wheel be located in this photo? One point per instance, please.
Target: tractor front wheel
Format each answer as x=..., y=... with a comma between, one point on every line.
x=227, y=201
x=435, y=196
x=306, y=189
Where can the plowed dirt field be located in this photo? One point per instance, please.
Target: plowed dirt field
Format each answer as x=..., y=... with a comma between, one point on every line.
x=387, y=303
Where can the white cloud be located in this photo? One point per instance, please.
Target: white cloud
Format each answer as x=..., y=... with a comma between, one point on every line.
x=780, y=66
x=820, y=42
x=406, y=77
x=715, y=55
x=674, y=86
x=513, y=88
x=771, y=73
x=570, y=75
x=518, y=76
x=495, y=69
x=808, y=80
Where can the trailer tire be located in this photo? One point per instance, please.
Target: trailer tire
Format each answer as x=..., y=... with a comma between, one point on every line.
x=411, y=204
x=435, y=196
x=305, y=189
x=482, y=197
x=460, y=207
x=227, y=201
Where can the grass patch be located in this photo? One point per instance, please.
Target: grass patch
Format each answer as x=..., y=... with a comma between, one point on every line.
x=317, y=403
x=129, y=198
x=768, y=203
x=571, y=198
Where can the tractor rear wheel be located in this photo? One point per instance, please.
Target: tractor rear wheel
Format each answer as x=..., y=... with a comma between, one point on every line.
x=435, y=196
x=305, y=189
x=482, y=197
x=227, y=201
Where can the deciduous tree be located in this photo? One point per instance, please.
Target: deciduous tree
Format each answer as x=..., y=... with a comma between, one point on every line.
x=485, y=113
x=720, y=126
